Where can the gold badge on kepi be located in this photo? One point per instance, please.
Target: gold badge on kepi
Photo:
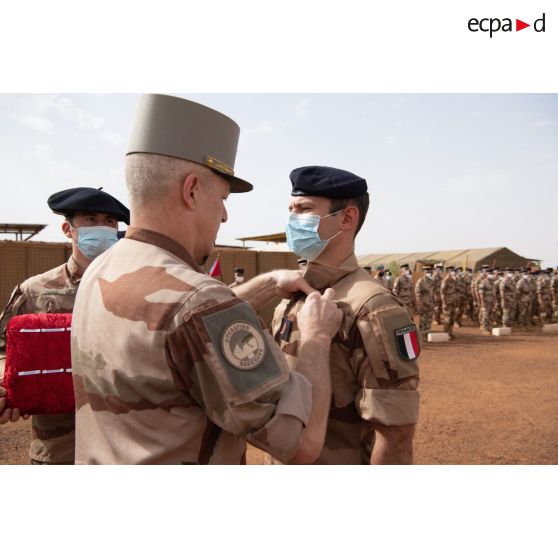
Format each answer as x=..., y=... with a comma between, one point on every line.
x=243, y=346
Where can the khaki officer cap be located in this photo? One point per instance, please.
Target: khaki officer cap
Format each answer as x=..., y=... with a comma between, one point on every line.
x=165, y=125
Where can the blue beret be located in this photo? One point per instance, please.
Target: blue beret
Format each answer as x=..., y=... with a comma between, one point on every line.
x=327, y=182
x=68, y=202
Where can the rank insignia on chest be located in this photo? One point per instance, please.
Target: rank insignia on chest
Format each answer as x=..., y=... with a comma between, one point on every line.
x=407, y=342
x=285, y=329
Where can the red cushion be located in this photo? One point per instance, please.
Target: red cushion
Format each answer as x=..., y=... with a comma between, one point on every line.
x=38, y=372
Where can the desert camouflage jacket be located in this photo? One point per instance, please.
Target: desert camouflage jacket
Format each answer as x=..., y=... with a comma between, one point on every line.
x=170, y=366
x=51, y=292
x=448, y=290
x=374, y=378
x=424, y=292
x=403, y=289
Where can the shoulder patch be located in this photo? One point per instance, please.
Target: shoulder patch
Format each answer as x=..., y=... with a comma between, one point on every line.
x=243, y=345
x=407, y=342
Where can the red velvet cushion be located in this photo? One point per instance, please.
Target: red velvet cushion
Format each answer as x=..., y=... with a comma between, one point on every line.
x=38, y=369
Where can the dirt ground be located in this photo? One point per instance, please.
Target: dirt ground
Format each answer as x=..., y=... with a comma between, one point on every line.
x=489, y=400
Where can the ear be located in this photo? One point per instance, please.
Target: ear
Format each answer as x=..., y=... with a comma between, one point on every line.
x=350, y=218
x=191, y=191
x=67, y=229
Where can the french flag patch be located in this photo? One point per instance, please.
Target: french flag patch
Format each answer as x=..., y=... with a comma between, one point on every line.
x=407, y=342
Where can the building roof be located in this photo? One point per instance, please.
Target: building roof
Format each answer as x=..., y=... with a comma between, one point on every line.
x=278, y=238
x=20, y=229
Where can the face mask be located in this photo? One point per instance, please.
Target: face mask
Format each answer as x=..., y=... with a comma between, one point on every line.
x=408, y=273
x=429, y=275
x=303, y=237
x=93, y=241
x=239, y=278
x=452, y=273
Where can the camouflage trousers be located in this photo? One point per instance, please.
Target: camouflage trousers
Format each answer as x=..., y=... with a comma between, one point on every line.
x=437, y=310
x=507, y=315
x=459, y=310
x=485, y=317
x=524, y=316
x=426, y=313
x=475, y=312
x=470, y=308
x=545, y=311
x=555, y=313
x=534, y=311
x=449, y=317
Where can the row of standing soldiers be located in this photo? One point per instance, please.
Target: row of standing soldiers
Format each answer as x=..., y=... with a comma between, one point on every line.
x=507, y=297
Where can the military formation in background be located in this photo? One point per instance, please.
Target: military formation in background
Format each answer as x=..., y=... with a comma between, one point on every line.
x=522, y=298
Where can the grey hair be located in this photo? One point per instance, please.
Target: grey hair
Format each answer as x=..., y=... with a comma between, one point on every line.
x=150, y=178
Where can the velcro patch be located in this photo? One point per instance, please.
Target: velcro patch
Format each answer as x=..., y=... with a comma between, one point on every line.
x=242, y=347
x=407, y=342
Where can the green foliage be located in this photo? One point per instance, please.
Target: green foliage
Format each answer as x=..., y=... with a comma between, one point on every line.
x=394, y=268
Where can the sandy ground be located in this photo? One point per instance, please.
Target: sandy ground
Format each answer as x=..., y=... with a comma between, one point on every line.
x=490, y=400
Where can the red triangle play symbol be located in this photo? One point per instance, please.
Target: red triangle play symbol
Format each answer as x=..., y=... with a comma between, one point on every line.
x=519, y=25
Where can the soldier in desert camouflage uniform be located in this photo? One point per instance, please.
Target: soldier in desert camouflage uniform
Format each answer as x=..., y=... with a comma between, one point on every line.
x=497, y=310
x=388, y=279
x=544, y=297
x=461, y=295
x=380, y=276
x=424, y=294
x=533, y=303
x=469, y=306
x=475, y=294
x=486, y=300
x=238, y=277
x=54, y=291
x=507, y=290
x=374, y=373
x=403, y=287
x=449, y=300
x=170, y=366
x=437, y=297
x=554, y=293
x=523, y=297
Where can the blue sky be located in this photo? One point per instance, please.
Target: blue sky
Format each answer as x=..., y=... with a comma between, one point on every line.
x=444, y=171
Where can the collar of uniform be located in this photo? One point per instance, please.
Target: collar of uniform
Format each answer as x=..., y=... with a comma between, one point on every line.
x=320, y=276
x=164, y=242
x=74, y=270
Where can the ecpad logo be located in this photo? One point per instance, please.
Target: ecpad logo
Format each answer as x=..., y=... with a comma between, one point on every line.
x=493, y=25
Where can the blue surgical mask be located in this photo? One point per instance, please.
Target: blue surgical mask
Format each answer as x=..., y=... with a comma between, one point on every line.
x=93, y=241
x=303, y=237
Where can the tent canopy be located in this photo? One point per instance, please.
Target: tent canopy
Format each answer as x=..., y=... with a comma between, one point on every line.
x=472, y=257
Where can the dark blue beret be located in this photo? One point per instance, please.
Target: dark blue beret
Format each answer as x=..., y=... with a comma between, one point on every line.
x=67, y=202
x=327, y=182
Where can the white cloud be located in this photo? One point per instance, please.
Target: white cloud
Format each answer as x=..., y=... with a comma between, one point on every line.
x=301, y=109
x=36, y=123
x=70, y=111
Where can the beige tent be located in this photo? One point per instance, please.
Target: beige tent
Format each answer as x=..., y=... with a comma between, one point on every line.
x=473, y=257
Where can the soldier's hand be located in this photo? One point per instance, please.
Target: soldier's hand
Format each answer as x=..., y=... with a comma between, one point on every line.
x=288, y=282
x=319, y=317
x=6, y=413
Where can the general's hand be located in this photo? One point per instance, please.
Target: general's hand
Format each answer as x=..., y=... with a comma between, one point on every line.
x=7, y=414
x=319, y=317
x=288, y=281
